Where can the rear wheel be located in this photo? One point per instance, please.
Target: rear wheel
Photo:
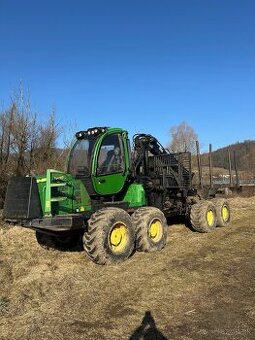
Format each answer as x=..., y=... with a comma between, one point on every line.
x=203, y=216
x=151, y=229
x=110, y=237
x=222, y=211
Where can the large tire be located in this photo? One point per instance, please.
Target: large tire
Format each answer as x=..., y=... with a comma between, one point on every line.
x=222, y=211
x=60, y=242
x=151, y=229
x=203, y=216
x=110, y=237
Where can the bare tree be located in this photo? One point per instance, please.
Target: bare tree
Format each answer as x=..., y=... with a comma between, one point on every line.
x=67, y=141
x=23, y=128
x=6, y=127
x=6, y=142
x=27, y=146
x=183, y=138
x=46, y=152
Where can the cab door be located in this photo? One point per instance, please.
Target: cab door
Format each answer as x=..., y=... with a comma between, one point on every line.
x=112, y=162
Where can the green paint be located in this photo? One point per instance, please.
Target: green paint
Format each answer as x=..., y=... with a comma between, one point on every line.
x=110, y=184
x=82, y=201
x=41, y=182
x=135, y=196
x=61, y=194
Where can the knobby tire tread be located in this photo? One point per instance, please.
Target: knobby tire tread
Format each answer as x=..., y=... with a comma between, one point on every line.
x=139, y=219
x=92, y=238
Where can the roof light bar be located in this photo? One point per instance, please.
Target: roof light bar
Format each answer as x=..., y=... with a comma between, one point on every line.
x=90, y=132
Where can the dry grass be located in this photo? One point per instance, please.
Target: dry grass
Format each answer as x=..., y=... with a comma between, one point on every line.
x=201, y=286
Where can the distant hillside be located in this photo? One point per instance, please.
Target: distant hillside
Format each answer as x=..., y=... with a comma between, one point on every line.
x=245, y=156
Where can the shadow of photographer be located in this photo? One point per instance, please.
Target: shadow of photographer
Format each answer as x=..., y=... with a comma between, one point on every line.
x=147, y=330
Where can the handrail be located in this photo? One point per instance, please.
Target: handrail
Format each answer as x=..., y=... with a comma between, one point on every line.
x=51, y=184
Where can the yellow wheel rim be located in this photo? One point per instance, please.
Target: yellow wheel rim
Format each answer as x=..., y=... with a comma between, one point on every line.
x=118, y=237
x=156, y=230
x=210, y=218
x=225, y=213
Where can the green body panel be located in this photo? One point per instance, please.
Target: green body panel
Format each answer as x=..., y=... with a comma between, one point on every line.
x=61, y=194
x=135, y=196
x=41, y=183
x=112, y=183
x=82, y=200
x=109, y=184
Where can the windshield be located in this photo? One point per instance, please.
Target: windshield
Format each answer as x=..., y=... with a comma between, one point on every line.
x=80, y=157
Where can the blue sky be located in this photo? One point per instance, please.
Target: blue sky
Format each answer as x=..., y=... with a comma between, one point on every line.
x=141, y=65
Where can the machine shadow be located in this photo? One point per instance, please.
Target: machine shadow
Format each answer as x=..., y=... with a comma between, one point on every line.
x=67, y=242
x=179, y=220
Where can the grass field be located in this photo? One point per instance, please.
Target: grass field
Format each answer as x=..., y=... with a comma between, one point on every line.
x=201, y=286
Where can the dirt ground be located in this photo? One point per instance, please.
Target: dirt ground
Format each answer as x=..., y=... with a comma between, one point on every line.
x=201, y=286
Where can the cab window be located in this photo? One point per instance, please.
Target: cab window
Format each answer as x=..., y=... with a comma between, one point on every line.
x=80, y=157
x=111, y=157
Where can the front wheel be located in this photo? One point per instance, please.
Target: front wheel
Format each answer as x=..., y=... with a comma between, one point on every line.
x=151, y=229
x=110, y=236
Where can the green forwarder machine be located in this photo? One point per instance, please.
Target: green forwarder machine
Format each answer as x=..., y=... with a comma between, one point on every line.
x=117, y=199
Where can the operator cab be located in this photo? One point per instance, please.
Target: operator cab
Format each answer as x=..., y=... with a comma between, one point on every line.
x=100, y=157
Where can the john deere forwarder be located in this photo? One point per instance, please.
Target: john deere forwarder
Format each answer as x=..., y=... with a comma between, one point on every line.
x=116, y=198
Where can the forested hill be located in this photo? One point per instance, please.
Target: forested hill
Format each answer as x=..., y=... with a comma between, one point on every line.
x=245, y=155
